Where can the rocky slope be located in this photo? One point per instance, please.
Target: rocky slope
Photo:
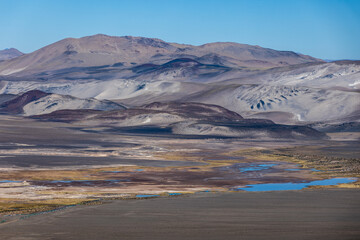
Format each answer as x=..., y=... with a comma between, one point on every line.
x=36, y=102
x=306, y=93
x=257, y=129
x=154, y=113
x=304, y=103
x=182, y=119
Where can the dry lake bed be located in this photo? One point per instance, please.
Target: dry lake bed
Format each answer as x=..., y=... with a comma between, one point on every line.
x=307, y=214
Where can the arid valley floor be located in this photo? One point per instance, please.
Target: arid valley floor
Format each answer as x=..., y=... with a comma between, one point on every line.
x=55, y=174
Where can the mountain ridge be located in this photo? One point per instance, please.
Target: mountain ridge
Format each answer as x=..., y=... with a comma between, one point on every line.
x=100, y=49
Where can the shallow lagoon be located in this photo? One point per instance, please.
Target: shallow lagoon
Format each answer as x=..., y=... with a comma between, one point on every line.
x=294, y=186
x=175, y=194
x=146, y=196
x=256, y=167
x=9, y=181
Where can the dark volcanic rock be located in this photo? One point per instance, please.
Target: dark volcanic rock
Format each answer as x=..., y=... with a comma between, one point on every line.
x=16, y=105
x=67, y=115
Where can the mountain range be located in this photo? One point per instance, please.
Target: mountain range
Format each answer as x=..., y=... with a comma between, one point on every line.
x=108, y=73
x=103, y=50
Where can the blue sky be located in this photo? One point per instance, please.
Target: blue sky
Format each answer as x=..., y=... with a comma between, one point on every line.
x=328, y=29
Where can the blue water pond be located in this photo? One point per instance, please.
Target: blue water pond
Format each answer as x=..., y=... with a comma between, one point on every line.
x=146, y=196
x=256, y=167
x=315, y=170
x=9, y=181
x=175, y=194
x=294, y=186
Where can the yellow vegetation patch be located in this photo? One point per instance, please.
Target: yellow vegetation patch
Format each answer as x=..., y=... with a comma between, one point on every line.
x=349, y=185
x=15, y=206
x=343, y=185
x=179, y=157
x=44, y=175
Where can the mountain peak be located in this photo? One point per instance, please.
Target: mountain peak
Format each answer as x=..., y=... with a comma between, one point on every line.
x=9, y=53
